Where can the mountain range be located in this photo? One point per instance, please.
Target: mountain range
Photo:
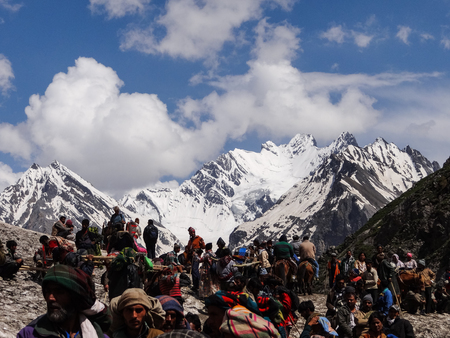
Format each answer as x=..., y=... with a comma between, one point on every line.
x=298, y=187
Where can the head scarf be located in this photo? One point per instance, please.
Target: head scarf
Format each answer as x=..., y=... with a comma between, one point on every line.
x=76, y=281
x=241, y=322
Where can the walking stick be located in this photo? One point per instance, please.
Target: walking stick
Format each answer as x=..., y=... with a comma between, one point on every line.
x=396, y=297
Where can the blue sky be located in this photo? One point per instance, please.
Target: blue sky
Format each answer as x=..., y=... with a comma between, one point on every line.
x=130, y=92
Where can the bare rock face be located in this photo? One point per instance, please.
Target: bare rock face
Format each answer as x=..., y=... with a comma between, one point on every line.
x=22, y=300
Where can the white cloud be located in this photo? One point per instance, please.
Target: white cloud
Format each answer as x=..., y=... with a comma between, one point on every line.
x=362, y=40
x=403, y=34
x=194, y=30
x=276, y=42
x=10, y=6
x=118, y=8
x=335, y=66
x=335, y=34
x=6, y=74
x=7, y=177
x=426, y=36
x=446, y=43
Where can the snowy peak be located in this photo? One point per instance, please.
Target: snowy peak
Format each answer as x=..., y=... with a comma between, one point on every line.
x=342, y=142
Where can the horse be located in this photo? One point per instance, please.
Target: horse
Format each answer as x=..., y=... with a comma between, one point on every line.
x=407, y=279
x=305, y=276
x=284, y=270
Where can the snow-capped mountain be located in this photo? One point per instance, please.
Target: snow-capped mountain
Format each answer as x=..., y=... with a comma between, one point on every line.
x=340, y=196
x=41, y=195
x=238, y=187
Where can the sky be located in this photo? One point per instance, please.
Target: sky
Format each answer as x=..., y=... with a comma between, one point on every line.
x=132, y=93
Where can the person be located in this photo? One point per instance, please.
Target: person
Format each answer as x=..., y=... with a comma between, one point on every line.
x=354, y=277
x=410, y=263
x=69, y=225
x=135, y=314
x=134, y=229
x=370, y=277
x=43, y=256
x=307, y=252
x=387, y=272
x=333, y=269
x=151, y=238
x=360, y=263
x=378, y=256
x=59, y=228
x=362, y=316
x=442, y=298
x=347, y=265
x=172, y=256
x=220, y=247
x=12, y=261
x=169, y=283
x=72, y=307
x=283, y=250
x=193, y=251
x=335, y=298
x=346, y=314
x=375, y=326
x=122, y=273
x=398, y=263
x=306, y=309
x=428, y=277
x=296, y=245
x=63, y=255
x=194, y=322
x=414, y=301
x=385, y=300
x=208, y=283
x=85, y=239
x=225, y=269
x=399, y=327
x=263, y=257
x=117, y=219
x=174, y=318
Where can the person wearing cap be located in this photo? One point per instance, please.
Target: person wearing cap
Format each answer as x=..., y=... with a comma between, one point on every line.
x=393, y=324
x=135, y=314
x=333, y=269
x=362, y=316
x=174, y=318
x=428, y=277
x=72, y=308
x=410, y=263
x=346, y=314
x=370, y=277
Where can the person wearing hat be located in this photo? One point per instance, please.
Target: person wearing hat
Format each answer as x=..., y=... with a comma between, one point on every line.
x=393, y=324
x=410, y=263
x=72, y=308
x=333, y=269
x=135, y=314
x=362, y=316
x=428, y=277
x=174, y=318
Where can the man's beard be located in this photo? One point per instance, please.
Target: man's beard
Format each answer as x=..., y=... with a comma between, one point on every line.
x=61, y=314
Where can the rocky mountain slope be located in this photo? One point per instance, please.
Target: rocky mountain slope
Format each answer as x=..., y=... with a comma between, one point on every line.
x=340, y=196
x=417, y=222
x=41, y=195
x=22, y=299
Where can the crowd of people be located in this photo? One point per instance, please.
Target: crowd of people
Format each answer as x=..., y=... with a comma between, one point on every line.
x=243, y=295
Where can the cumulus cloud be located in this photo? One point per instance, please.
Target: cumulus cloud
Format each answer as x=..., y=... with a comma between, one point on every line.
x=6, y=74
x=7, y=4
x=118, y=8
x=446, y=43
x=403, y=34
x=362, y=40
x=7, y=176
x=335, y=34
x=426, y=36
x=194, y=30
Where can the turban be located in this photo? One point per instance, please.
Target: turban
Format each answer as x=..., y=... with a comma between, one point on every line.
x=76, y=281
x=241, y=322
x=169, y=303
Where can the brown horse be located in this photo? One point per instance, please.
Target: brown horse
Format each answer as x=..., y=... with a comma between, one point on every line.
x=305, y=276
x=284, y=270
x=407, y=279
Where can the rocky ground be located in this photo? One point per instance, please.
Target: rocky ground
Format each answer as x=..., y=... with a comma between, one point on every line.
x=21, y=299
